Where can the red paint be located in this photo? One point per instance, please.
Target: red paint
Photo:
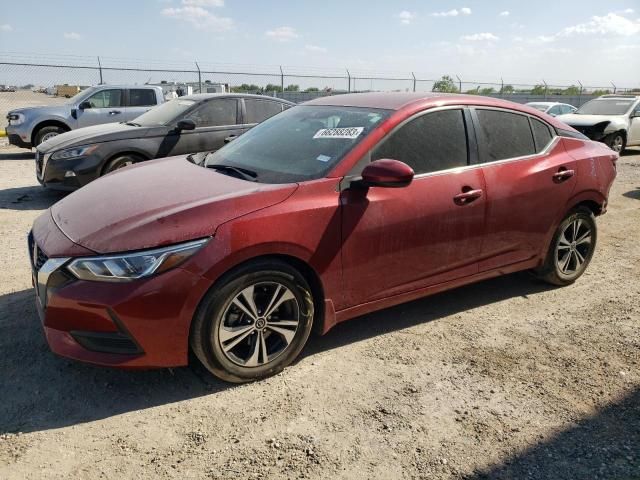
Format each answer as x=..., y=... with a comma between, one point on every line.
x=369, y=248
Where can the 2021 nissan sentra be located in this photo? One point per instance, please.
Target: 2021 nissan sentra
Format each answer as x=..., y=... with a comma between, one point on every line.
x=194, y=123
x=329, y=210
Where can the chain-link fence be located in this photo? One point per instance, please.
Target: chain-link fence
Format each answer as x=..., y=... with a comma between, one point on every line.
x=35, y=79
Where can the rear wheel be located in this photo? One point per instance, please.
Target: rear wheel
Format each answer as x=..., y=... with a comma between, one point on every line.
x=46, y=133
x=255, y=323
x=571, y=248
x=616, y=142
x=120, y=162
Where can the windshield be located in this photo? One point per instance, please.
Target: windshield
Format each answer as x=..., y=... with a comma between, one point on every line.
x=302, y=143
x=164, y=114
x=539, y=106
x=80, y=95
x=606, y=106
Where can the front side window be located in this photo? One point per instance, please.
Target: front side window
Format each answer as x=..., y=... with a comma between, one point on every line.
x=304, y=142
x=216, y=113
x=259, y=110
x=555, y=110
x=432, y=142
x=106, y=99
x=504, y=135
x=541, y=134
x=142, y=97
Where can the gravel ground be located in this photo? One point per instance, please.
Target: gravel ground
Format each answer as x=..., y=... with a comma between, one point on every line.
x=505, y=379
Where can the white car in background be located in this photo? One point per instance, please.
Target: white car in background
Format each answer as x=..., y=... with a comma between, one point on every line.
x=553, y=108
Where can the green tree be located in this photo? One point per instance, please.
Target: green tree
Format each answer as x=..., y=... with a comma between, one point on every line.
x=601, y=92
x=508, y=89
x=292, y=88
x=445, y=84
x=272, y=88
x=246, y=87
x=538, y=90
x=487, y=91
x=312, y=89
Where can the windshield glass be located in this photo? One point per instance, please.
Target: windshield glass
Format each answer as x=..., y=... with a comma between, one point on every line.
x=302, y=143
x=165, y=113
x=606, y=106
x=539, y=106
x=80, y=95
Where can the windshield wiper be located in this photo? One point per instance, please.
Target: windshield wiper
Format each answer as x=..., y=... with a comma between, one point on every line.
x=133, y=124
x=243, y=173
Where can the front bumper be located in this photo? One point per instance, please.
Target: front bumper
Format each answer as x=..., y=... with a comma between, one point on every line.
x=67, y=174
x=18, y=136
x=592, y=132
x=139, y=324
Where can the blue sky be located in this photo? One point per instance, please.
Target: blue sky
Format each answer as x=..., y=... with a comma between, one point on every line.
x=559, y=41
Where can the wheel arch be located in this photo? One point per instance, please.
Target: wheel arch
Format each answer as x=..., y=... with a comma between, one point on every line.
x=48, y=123
x=593, y=200
x=113, y=156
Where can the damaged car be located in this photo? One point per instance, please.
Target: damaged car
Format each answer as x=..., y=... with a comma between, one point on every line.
x=611, y=119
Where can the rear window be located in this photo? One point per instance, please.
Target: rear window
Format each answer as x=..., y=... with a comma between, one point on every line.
x=504, y=135
x=259, y=110
x=142, y=97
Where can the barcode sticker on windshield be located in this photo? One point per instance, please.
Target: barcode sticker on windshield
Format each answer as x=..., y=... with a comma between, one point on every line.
x=351, y=132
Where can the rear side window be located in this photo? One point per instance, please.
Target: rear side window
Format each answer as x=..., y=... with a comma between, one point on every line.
x=541, y=134
x=142, y=97
x=259, y=110
x=504, y=135
x=216, y=113
x=432, y=142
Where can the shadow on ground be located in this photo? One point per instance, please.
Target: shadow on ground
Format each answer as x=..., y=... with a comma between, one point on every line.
x=42, y=391
x=635, y=194
x=28, y=198
x=605, y=446
x=17, y=156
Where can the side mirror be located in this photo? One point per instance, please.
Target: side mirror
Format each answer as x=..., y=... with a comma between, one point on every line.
x=386, y=173
x=84, y=105
x=186, y=124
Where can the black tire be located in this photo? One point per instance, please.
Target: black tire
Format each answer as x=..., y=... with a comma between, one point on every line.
x=218, y=312
x=119, y=162
x=616, y=142
x=45, y=133
x=579, y=252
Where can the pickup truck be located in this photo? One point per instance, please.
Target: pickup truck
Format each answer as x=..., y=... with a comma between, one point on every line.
x=29, y=127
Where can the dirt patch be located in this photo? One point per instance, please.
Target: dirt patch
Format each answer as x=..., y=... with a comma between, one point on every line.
x=508, y=378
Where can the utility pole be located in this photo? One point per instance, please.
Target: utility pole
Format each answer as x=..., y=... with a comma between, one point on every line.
x=459, y=83
x=414, y=81
x=348, y=80
x=546, y=89
x=199, y=78
x=100, y=68
x=501, y=86
x=580, y=95
x=281, y=79
x=614, y=87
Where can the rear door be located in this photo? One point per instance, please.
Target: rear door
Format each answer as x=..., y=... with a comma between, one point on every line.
x=400, y=239
x=105, y=106
x=529, y=179
x=258, y=110
x=139, y=101
x=215, y=120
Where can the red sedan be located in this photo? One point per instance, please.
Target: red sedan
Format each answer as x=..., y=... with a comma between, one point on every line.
x=329, y=210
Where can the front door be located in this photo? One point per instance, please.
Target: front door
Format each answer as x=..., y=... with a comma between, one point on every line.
x=400, y=239
x=105, y=106
x=634, y=130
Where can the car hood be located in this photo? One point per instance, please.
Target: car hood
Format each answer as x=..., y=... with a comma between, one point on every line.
x=159, y=203
x=64, y=110
x=588, y=120
x=96, y=134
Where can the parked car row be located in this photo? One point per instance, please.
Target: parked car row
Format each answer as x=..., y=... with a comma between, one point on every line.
x=323, y=212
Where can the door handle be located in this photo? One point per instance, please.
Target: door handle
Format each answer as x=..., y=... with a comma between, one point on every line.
x=114, y=112
x=562, y=175
x=467, y=197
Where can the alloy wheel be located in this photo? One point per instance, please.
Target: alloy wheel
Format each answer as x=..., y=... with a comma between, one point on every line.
x=573, y=248
x=617, y=143
x=259, y=324
x=48, y=136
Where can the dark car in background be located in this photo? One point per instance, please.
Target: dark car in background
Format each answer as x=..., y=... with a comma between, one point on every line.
x=194, y=123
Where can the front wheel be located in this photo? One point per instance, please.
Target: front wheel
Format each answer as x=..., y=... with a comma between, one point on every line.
x=571, y=248
x=255, y=323
x=120, y=162
x=46, y=133
x=616, y=142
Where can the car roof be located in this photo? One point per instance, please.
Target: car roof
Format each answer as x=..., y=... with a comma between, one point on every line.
x=422, y=101
x=548, y=104
x=204, y=96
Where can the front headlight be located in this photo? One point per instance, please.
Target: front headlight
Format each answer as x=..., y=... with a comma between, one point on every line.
x=132, y=266
x=15, y=118
x=74, y=152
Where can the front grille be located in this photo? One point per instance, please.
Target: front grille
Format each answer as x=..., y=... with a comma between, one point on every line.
x=39, y=162
x=38, y=257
